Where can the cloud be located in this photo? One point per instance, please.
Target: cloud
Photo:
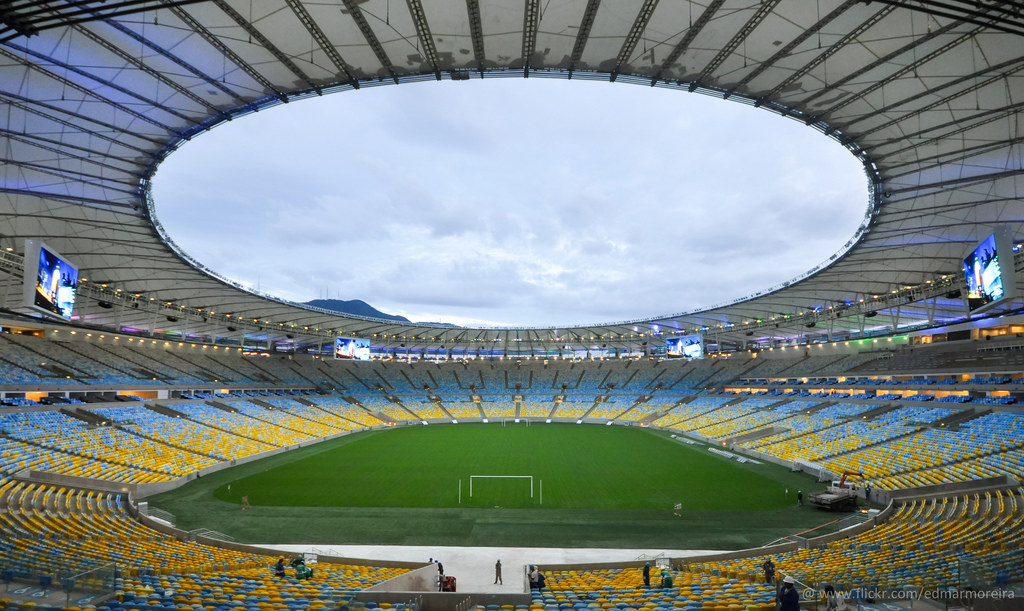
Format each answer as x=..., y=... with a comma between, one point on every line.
x=508, y=201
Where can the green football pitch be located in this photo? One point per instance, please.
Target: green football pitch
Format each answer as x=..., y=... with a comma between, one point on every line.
x=593, y=486
x=557, y=466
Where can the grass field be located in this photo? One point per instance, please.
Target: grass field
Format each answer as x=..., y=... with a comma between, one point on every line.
x=603, y=487
x=578, y=467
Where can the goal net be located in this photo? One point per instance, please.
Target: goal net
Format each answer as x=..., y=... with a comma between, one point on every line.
x=502, y=490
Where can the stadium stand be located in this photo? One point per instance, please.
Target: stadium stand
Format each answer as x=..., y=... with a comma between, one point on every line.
x=184, y=433
x=850, y=436
x=920, y=546
x=340, y=407
x=534, y=408
x=82, y=530
x=799, y=424
x=463, y=409
x=499, y=407
x=593, y=589
x=895, y=444
x=242, y=425
x=428, y=410
x=695, y=408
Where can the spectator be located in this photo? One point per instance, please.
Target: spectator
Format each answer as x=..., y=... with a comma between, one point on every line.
x=788, y=597
x=769, y=571
x=833, y=599
x=647, y=575
x=279, y=567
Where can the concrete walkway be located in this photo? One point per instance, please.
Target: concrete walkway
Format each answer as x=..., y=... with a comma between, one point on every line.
x=473, y=567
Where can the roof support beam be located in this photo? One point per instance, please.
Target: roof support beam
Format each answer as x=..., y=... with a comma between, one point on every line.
x=1015, y=64
x=81, y=89
x=476, y=31
x=968, y=15
x=31, y=139
x=688, y=39
x=636, y=32
x=832, y=50
x=61, y=16
x=139, y=65
x=763, y=10
x=106, y=83
x=71, y=175
x=942, y=159
x=216, y=43
x=995, y=114
x=64, y=198
x=356, y=13
x=174, y=58
x=321, y=39
x=419, y=18
x=37, y=142
x=796, y=42
x=22, y=103
x=908, y=69
x=881, y=61
x=583, y=33
x=258, y=36
x=531, y=21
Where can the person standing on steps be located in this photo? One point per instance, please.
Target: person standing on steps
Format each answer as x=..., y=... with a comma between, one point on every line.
x=647, y=575
x=497, y=572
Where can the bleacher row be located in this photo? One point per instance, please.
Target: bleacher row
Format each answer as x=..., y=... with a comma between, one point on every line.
x=894, y=449
x=46, y=527
x=895, y=446
x=28, y=360
x=140, y=445
x=919, y=546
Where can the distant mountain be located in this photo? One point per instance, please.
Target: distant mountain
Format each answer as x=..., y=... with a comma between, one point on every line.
x=354, y=306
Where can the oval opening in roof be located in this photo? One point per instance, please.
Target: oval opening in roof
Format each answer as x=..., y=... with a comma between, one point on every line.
x=515, y=202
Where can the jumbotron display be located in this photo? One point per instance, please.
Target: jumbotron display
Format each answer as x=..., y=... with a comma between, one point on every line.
x=51, y=290
x=987, y=283
x=688, y=346
x=347, y=348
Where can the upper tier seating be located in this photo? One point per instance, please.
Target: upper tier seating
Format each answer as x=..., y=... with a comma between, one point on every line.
x=184, y=433
x=346, y=410
x=756, y=420
x=683, y=413
x=242, y=425
x=853, y=435
x=800, y=423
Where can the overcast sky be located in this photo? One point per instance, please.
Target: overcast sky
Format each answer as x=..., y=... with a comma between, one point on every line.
x=512, y=201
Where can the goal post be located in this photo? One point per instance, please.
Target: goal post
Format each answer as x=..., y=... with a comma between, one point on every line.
x=472, y=477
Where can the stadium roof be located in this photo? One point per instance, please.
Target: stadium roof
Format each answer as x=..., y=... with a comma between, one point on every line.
x=927, y=94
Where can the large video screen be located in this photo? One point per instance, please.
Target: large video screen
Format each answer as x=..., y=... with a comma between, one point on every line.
x=988, y=270
x=50, y=280
x=688, y=346
x=346, y=348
